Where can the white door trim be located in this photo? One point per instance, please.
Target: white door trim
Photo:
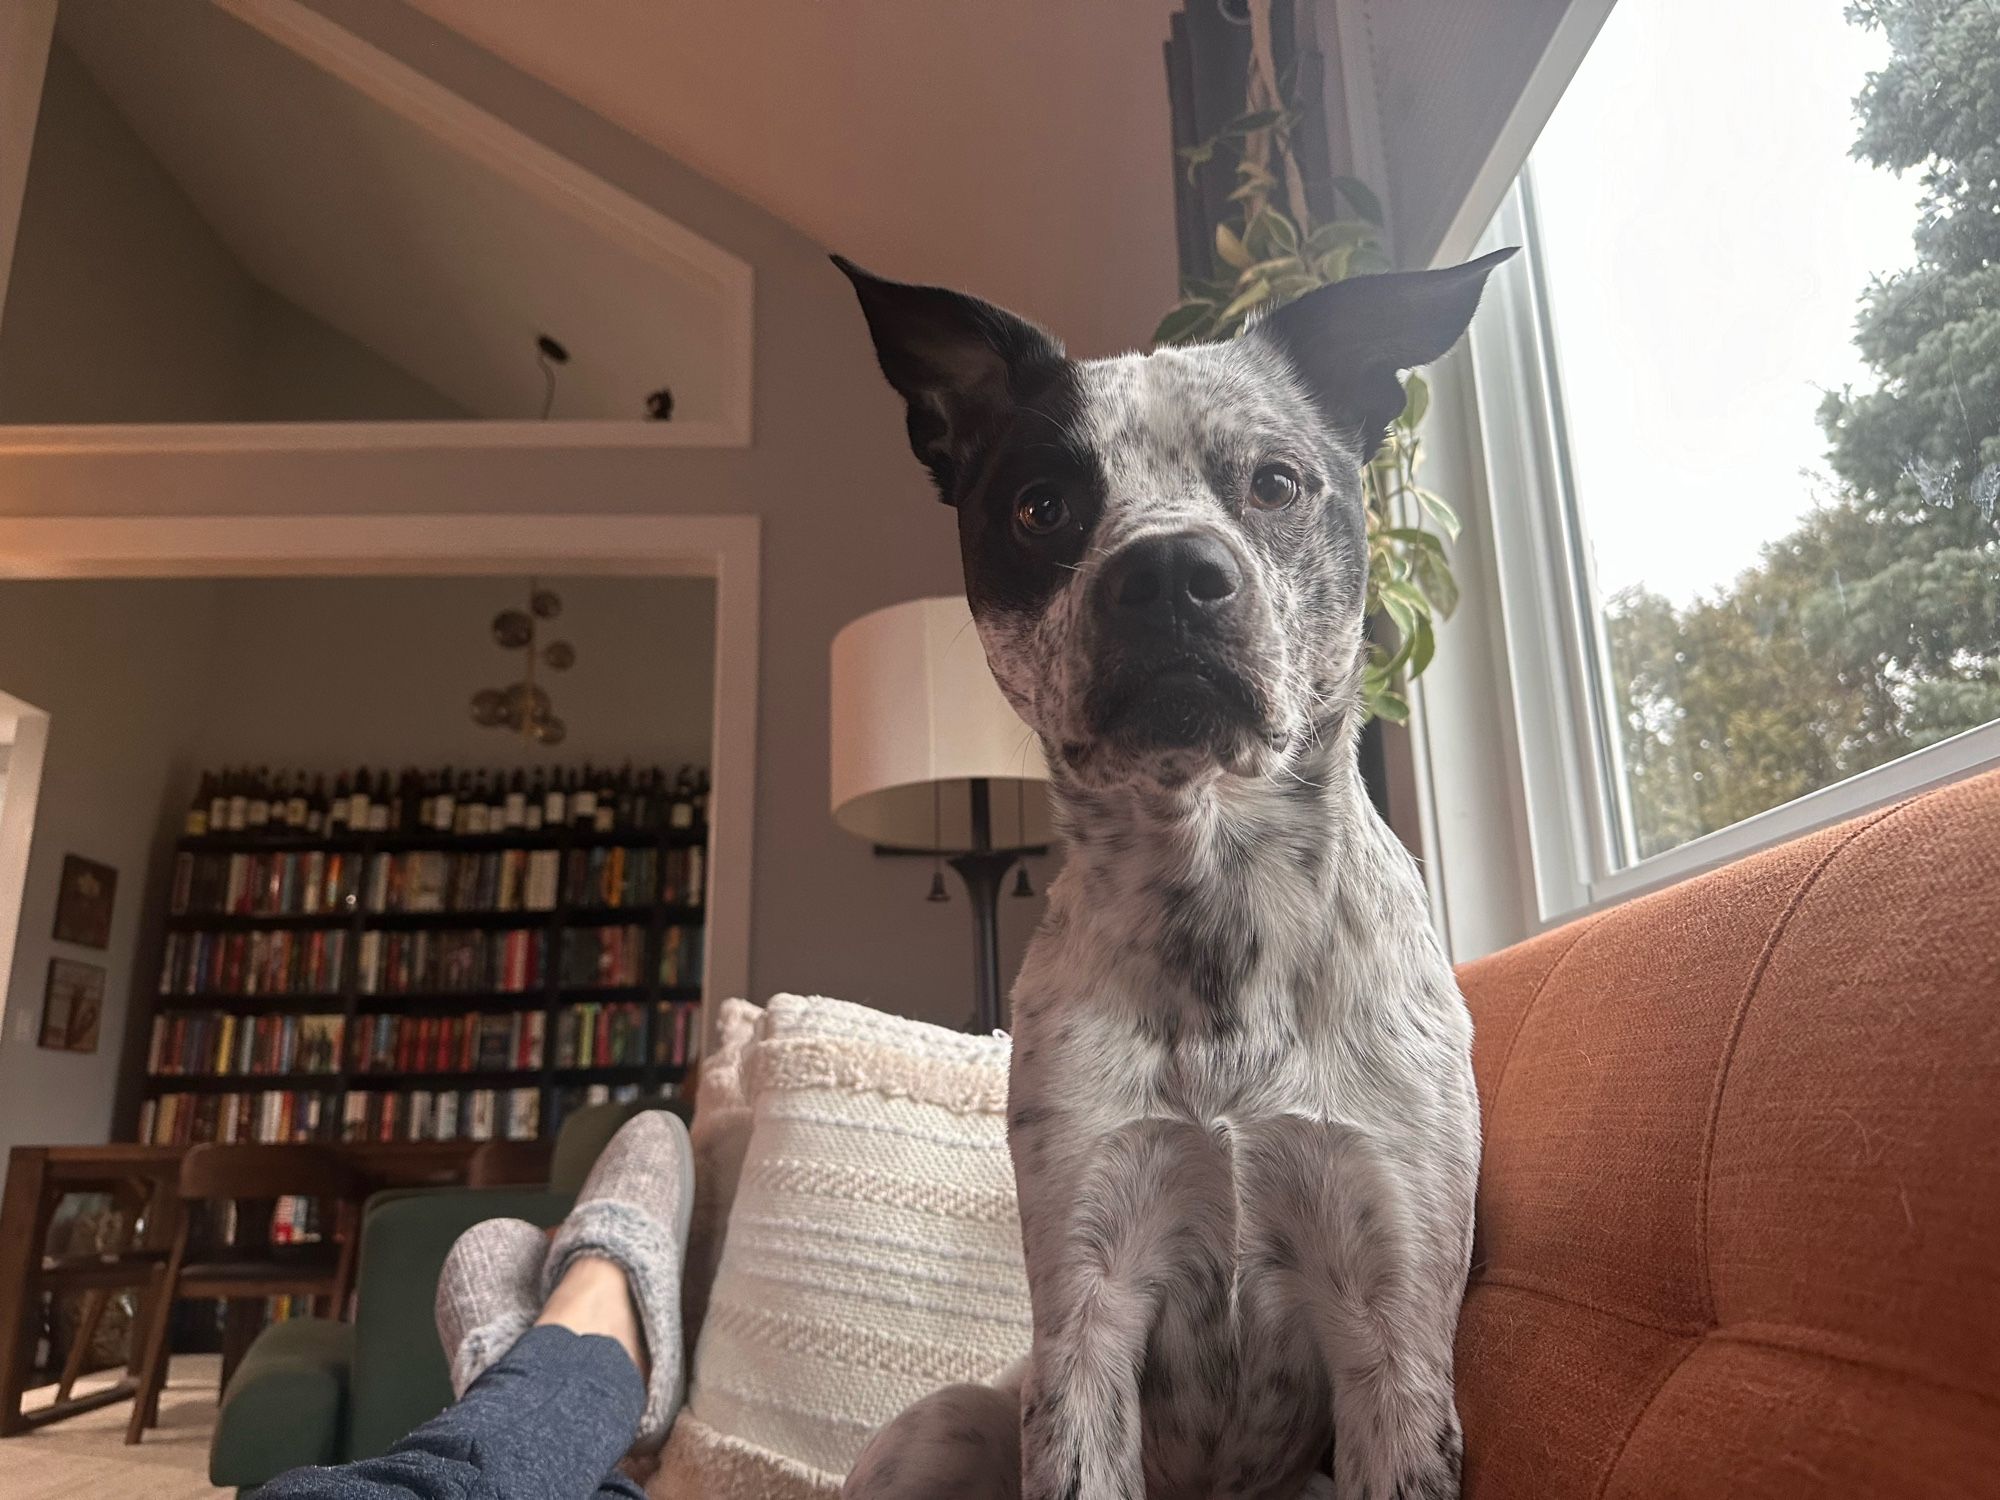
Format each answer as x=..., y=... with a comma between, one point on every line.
x=724, y=548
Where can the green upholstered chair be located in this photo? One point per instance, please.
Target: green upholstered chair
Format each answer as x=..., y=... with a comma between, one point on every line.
x=312, y=1391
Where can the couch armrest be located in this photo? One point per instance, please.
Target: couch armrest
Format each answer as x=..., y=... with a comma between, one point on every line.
x=285, y=1404
x=400, y=1379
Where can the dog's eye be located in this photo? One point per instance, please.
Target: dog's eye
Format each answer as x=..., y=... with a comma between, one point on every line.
x=1041, y=509
x=1275, y=486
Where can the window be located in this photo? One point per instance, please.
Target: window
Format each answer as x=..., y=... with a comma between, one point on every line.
x=1741, y=400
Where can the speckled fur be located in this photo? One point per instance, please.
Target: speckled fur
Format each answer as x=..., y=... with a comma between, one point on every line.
x=1242, y=1115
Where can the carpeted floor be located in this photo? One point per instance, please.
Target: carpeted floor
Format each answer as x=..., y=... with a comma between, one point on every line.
x=85, y=1458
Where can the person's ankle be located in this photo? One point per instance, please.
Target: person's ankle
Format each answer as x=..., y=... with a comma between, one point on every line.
x=595, y=1297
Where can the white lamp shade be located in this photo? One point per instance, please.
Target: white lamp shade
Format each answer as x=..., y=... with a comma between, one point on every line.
x=916, y=718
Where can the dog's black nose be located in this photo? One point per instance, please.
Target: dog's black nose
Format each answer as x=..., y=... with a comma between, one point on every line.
x=1187, y=577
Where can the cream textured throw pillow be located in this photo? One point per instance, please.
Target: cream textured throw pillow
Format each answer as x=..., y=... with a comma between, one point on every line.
x=873, y=1251
x=720, y=1134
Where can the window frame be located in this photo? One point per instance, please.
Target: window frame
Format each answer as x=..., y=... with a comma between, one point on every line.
x=1571, y=798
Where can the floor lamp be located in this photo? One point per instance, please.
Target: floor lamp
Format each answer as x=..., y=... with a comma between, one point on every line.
x=929, y=760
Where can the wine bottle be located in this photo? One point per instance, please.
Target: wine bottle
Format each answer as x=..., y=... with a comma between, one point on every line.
x=316, y=805
x=461, y=817
x=682, y=814
x=196, y=822
x=239, y=801
x=515, y=813
x=359, y=802
x=258, y=813
x=380, y=810
x=296, y=817
x=444, y=806
x=555, y=806
x=218, y=802
x=583, y=801
x=607, y=802
x=342, y=804
x=478, y=812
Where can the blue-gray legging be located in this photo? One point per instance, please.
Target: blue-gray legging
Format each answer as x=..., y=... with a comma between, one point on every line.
x=548, y=1421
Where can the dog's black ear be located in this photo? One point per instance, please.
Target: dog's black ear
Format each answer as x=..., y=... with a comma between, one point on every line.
x=958, y=363
x=1352, y=338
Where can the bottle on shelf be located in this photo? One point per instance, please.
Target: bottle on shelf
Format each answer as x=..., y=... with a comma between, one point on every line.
x=514, y=811
x=583, y=801
x=338, y=809
x=382, y=810
x=555, y=802
x=239, y=802
x=316, y=805
x=444, y=805
x=681, y=815
x=358, y=802
x=196, y=822
x=257, y=812
x=701, y=798
x=607, y=802
x=218, y=801
x=297, y=819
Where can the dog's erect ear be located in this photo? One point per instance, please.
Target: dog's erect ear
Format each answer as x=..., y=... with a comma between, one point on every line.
x=1350, y=339
x=959, y=363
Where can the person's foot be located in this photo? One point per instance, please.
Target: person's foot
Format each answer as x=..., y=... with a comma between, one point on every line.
x=620, y=1251
x=488, y=1295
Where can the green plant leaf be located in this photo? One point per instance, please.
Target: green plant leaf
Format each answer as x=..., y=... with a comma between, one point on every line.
x=1392, y=706
x=1362, y=196
x=1230, y=248
x=1416, y=536
x=1368, y=260
x=1416, y=399
x=1270, y=236
x=1197, y=157
x=1434, y=577
x=1340, y=234
x=1336, y=264
x=1185, y=324
x=1423, y=646
x=1255, y=173
x=1248, y=298
x=1434, y=506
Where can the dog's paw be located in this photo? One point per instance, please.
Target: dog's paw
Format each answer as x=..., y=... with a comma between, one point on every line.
x=1429, y=1471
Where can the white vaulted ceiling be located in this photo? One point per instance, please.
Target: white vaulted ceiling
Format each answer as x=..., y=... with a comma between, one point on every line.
x=1018, y=148
x=382, y=229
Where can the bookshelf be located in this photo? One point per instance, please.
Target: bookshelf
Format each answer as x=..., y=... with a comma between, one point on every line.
x=422, y=985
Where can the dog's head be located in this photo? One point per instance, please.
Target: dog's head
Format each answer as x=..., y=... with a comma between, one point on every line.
x=1166, y=553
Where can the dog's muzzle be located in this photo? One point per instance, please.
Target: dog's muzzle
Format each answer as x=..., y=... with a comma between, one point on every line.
x=1169, y=613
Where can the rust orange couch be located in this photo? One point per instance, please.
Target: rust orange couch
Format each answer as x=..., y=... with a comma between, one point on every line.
x=1739, y=1220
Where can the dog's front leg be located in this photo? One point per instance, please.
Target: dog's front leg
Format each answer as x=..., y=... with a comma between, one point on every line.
x=1340, y=1230
x=1148, y=1215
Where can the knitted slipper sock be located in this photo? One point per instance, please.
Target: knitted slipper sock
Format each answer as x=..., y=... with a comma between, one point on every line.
x=633, y=1211
x=488, y=1294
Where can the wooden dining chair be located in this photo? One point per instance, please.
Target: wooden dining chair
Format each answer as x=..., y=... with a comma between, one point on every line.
x=251, y=1267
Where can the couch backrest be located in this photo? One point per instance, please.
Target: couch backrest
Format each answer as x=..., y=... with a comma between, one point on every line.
x=1739, y=1218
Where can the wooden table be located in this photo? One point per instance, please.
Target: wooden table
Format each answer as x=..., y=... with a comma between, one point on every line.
x=40, y=1177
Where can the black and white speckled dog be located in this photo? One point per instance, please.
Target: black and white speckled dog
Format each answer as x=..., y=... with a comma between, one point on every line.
x=1241, y=1112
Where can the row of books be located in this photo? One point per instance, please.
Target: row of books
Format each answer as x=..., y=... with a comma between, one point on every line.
x=253, y=963
x=470, y=1043
x=456, y=960
x=286, y=1115
x=681, y=954
x=212, y=1044
x=266, y=1116
x=620, y=876
x=495, y=880
x=285, y=883
x=265, y=884
x=592, y=1034
x=442, y=1115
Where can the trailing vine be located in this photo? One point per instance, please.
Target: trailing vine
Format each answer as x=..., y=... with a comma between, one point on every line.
x=1269, y=250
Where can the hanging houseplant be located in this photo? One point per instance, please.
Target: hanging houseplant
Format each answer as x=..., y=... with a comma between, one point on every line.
x=1269, y=249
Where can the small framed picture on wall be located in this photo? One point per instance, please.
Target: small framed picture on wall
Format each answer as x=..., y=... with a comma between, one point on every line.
x=72, y=1006
x=83, y=905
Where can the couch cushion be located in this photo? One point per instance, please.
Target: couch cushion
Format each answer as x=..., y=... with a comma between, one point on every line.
x=874, y=1249
x=285, y=1404
x=1739, y=1217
